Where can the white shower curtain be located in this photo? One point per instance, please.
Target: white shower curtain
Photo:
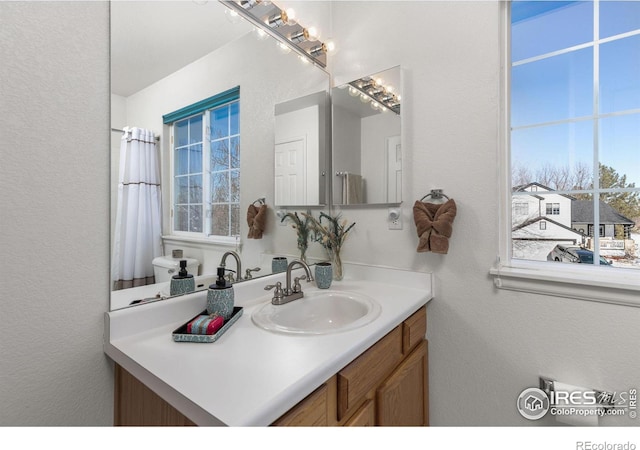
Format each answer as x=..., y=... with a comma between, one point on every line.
x=137, y=234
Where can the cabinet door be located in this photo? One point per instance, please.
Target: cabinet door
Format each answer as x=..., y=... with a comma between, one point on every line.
x=402, y=400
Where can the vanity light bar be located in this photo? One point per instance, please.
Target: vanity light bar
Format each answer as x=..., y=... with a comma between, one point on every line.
x=278, y=23
x=379, y=94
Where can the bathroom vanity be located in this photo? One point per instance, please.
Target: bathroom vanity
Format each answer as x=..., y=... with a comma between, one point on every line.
x=376, y=374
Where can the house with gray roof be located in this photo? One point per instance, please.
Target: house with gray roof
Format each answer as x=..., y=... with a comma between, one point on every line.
x=582, y=219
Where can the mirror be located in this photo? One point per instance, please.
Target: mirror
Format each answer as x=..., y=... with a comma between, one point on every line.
x=171, y=54
x=367, y=142
x=300, y=152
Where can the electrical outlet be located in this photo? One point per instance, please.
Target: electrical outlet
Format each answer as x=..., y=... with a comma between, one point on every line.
x=395, y=219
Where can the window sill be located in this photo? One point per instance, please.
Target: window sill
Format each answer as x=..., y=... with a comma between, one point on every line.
x=199, y=242
x=622, y=287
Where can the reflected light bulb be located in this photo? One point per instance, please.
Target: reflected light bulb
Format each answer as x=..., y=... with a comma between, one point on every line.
x=364, y=98
x=261, y=34
x=291, y=16
x=353, y=91
x=331, y=46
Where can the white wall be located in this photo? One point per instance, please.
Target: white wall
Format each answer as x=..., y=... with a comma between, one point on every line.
x=54, y=225
x=486, y=345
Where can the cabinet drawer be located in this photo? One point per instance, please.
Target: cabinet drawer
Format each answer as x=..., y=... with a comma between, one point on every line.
x=414, y=329
x=368, y=370
x=312, y=411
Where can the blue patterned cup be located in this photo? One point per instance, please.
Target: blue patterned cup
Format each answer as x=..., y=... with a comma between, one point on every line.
x=179, y=286
x=324, y=275
x=279, y=264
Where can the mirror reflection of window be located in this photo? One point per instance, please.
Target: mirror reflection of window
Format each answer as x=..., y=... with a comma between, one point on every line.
x=206, y=168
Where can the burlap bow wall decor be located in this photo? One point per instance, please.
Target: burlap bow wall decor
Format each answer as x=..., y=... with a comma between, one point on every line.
x=256, y=219
x=434, y=223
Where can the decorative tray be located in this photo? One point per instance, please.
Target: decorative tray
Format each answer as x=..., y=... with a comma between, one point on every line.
x=181, y=335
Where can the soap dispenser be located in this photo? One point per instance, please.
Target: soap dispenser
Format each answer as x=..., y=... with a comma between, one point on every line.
x=220, y=297
x=183, y=283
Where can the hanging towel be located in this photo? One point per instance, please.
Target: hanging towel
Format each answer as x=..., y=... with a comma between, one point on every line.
x=352, y=189
x=256, y=219
x=434, y=223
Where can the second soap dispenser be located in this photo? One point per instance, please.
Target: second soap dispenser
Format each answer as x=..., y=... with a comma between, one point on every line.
x=220, y=297
x=183, y=283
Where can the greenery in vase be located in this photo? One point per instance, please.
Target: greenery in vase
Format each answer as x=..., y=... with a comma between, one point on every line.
x=332, y=233
x=302, y=230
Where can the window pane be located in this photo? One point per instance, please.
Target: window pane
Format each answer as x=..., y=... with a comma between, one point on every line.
x=181, y=218
x=182, y=161
x=195, y=130
x=620, y=150
x=557, y=156
x=620, y=75
x=219, y=187
x=618, y=17
x=234, y=111
x=195, y=189
x=195, y=158
x=195, y=218
x=235, y=220
x=220, y=155
x=234, y=196
x=220, y=122
x=182, y=190
x=556, y=88
x=182, y=133
x=536, y=25
x=235, y=152
x=220, y=220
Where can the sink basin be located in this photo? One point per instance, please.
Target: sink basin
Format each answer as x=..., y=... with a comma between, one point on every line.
x=318, y=312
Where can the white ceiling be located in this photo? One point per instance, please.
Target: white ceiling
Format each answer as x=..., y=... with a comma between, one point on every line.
x=152, y=39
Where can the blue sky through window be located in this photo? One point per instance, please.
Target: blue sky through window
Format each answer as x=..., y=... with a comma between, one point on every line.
x=572, y=94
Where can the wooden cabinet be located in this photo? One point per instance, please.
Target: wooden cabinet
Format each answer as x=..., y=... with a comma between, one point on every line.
x=387, y=385
x=137, y=405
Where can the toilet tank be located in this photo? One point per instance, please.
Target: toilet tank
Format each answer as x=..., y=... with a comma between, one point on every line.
x=164, y=267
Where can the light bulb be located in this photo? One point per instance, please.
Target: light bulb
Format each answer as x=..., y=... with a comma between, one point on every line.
x=375, y=105
x=290, y=17
x=330, y=45
x=399, y=97
x=353, y=91
x=364, y=98
x=314, y=34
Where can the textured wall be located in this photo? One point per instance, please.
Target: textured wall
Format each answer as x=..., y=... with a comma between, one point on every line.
x=54, y=224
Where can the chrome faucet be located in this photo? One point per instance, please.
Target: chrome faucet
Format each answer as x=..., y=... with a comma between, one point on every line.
x=238, y=265
x=289, y=294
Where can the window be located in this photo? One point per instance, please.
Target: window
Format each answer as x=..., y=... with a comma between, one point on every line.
x=553, y=209
x=543, y=225
x=206, y=167
x=575, y=114
x=572, y=116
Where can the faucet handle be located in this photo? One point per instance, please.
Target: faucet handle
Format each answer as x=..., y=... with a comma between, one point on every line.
x=296, y=283
x=248, y=275
x=278, y=293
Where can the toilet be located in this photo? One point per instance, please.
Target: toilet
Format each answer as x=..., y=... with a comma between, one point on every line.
x=165, y=267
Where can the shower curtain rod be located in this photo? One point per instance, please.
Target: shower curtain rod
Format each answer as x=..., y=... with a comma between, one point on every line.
x=122, y=131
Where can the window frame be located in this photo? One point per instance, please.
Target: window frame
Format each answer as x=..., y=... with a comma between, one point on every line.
x=202, y=108
x=588, y=283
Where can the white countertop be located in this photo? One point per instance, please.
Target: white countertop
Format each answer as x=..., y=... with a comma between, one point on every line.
x=250, y=376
